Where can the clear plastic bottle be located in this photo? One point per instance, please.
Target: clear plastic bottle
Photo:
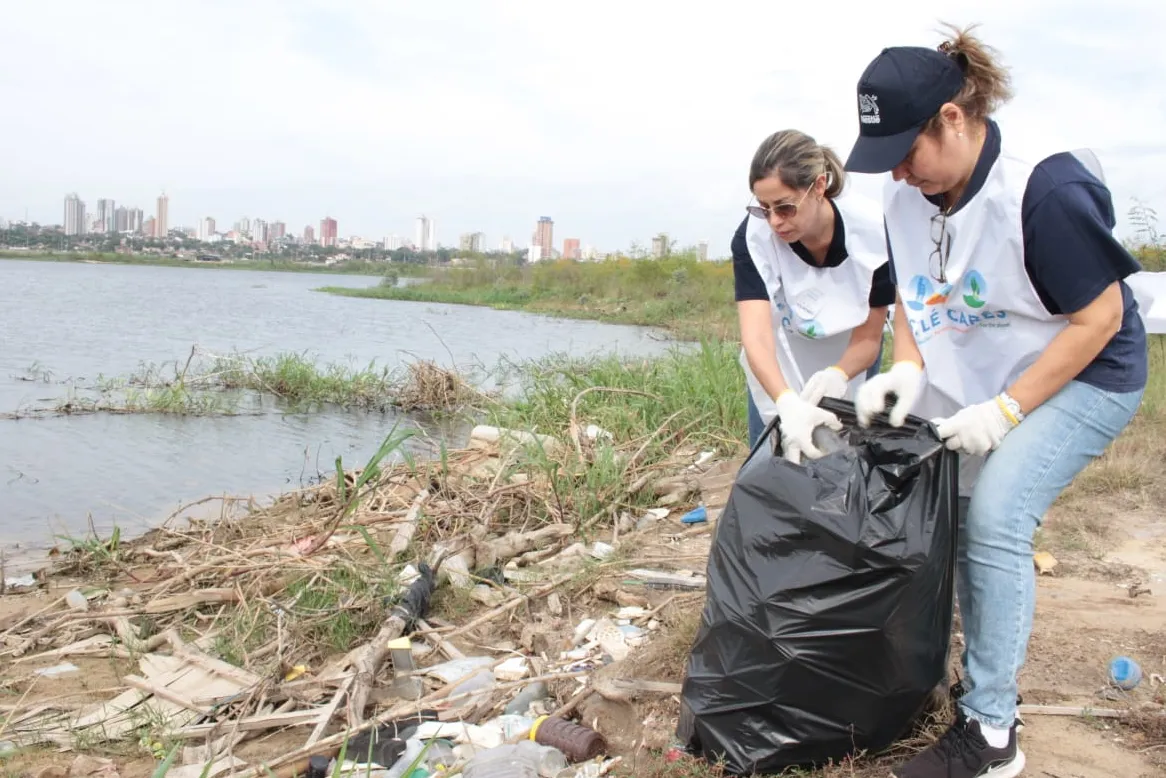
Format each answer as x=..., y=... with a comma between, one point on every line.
x=518, y=760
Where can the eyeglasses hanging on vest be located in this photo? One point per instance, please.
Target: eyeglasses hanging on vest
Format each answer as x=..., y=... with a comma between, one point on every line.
x=942, y=248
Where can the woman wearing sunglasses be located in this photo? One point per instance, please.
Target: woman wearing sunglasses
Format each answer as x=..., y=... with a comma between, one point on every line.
x=812, y=288
x=1014, y=330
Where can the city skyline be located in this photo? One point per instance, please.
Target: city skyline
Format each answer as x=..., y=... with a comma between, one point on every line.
x=111, y=220
x=457, y=125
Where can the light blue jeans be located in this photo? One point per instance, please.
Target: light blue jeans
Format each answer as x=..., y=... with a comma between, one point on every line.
x=995, y=580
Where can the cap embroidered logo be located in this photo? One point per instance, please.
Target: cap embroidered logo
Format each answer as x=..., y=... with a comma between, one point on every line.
x=868, y=109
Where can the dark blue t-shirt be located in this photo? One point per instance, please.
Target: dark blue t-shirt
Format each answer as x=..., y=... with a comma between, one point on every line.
x=1072, y=256
x=750, y=286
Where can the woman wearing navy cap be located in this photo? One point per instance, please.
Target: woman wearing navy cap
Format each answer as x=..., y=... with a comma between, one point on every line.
x=1014, y=330
x=813, y=286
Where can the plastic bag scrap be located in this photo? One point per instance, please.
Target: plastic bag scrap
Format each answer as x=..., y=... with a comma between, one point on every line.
x=830, y=599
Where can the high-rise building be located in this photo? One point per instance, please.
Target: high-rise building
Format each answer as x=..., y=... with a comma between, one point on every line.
x=106, y=216
x=162, y=221
x=135, y=220
x=507, y=245
x=661, y=245
x=276, y=231
x=472, y=242
x=206, y=228
x=121, y=219
x=544, y=236
x=243, y=226
x=150, y=228
x=702, y=251
x=425, y=237
x=75, y=215
x=394, y=242
x=328, y=232
x=309, y=234
x=571, y=249
x=259, y=231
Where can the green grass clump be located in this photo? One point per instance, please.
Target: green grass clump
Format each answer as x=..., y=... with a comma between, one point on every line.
x=690, y=298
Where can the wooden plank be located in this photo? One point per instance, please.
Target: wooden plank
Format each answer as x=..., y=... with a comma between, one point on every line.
x=273, y=721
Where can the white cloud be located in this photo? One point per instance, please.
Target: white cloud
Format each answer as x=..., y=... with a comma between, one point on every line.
x=619, y=119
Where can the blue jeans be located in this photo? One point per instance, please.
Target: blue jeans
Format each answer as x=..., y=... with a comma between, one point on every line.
x=757, y=426
x=995, y=580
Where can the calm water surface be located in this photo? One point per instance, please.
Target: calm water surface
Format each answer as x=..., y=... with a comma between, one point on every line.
x=75, y=322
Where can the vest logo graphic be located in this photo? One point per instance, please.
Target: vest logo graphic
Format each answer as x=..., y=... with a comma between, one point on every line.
x=868, y=109
x=811, y=329
x=925, y=294
x=932, y=311
x=974, y=289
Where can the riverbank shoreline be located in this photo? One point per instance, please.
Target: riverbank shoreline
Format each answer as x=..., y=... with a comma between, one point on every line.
x=358, y=268
x=691, y=299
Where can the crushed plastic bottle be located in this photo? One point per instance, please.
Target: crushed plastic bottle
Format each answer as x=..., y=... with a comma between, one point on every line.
x=518, y=760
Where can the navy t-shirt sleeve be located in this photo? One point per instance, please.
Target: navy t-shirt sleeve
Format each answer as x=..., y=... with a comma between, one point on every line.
x=746, y=279
x=882, y=288
x=1072, y=256
x=1070, y=252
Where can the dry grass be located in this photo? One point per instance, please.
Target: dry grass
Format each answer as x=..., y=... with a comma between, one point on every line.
x=430, y=387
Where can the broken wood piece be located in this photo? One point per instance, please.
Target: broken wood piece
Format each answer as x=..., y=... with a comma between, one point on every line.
x=217, y=666
x=329, y=711
x=162, y=693
x=404, y=534
x=443, y=645
x=1063, y=710
x=293, y=718
x=634, y=686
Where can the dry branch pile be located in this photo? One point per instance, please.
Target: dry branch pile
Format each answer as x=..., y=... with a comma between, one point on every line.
x=292, y=615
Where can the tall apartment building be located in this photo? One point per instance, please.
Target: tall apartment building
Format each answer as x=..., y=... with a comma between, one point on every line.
x=106, y=216
x=544, y=237
x=135, y=219
x=309, y=234
x=206, y=228
x=121, y=219
x=75, y=215
x=426, y=241
x=328, y=233
x=162, y=220
x=571, y=249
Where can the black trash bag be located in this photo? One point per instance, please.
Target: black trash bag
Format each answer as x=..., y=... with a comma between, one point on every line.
x=829, y=602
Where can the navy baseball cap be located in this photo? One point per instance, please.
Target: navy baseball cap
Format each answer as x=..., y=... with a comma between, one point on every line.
x=898, y=92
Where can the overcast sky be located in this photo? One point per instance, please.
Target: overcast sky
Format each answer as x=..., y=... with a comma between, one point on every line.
x=616, y=119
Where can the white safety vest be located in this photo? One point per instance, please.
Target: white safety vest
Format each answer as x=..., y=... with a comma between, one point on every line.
x=815, y=309
x=986, y=325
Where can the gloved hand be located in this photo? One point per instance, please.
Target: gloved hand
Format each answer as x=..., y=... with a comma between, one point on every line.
x=903, y=379
x=976, y=429
x=799, y=419
x=831, y=382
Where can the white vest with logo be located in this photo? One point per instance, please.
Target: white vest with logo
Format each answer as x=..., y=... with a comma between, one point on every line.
x=815, y=309
x=986, y=325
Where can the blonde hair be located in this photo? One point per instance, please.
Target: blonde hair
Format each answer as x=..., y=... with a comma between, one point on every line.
x=797, y=160
x=987, y=83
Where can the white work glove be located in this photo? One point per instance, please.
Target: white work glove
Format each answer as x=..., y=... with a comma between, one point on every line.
x=976, y=429
x=903, y=379
x=799, y=419
x=831, y=382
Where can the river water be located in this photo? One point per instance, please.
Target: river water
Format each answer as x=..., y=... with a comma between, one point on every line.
x=69, y=323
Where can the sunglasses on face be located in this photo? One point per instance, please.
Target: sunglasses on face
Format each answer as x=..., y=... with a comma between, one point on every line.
x=784, y=210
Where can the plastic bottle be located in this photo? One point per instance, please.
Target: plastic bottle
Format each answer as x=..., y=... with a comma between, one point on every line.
x=1125, y=673
x=517, y=760
x=521, y=704
x=578, y=743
